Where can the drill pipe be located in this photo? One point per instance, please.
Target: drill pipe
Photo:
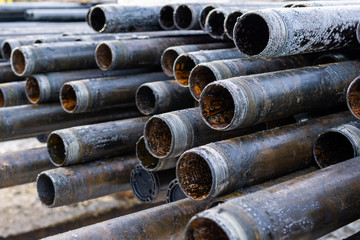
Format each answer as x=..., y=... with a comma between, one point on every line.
x=306, y=207
x=169, y=134
x=205, y=73
x=166, y=19
x=12, y=94
x=31, y=120
x=353, y=97
x=59, y=15
x=151, y=163
x=171, y=53
x=6, y=73
x=139, y=52
x=152, y=223
x=150, y=186
x=272, y=32
x=298, y=4
x=337, y=144
x=94, y=94
x=23, y=166
x=215, y=21
x=91, y=142
x=46, y=87
x=68, y=185
x=247, y=100
x=187, y=61
x=186, y=16
x=336, y=56
x=174, y=192
x=11, y=43
x=230, y=21
x=163, y=96
x=111, y=18
x=222, y=167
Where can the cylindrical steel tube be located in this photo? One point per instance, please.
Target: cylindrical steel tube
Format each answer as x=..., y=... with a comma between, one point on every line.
x=23, y=166
x=230, y=21
x=94, y=94
x=353, y=97
x=31, y=120
x=306, y=207
x=139, y=52
x=171, y=53
x=216, y=168
x=298, y=4
x=150, y=186
x=205, y=73
x=119, y=18
x=174, y=192
x=12, y=94
x=59, y=15
x=336, y=56
x=337, y=144
x=166, y=19
x=187, y=61
x=7, y=75
x=96, y=141
x=186, y=16
x=168, y=135
x=272, y=32
x=68, y=185
x=215, y=21
x=247, y=100
x=163, y=96
x=9, y=44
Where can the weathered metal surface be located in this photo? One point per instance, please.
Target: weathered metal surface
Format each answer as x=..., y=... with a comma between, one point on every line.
x=215, y=21
x=59, y=15
x=169, y=134
x=94, y=94
x=224, y=166
x=120, y=18
x=167, y=221
x=230, y=21
x=278, y=32
x=12, y=94
x=139, y=52
x=187, y=61
x=306, y=207
x=186, y=16
x=7, y=75
x=166, y=19
x=162, y=96
x=96, y=141
x=174, y=192
x=171, y=53
x=23, y=166
x=247, y=100
x=298, y=4
x=205, y=73
x=150, y=186
x=68, y=185
x=337, y=56
x=337, y=144
x=31, y=120
x=353, y=98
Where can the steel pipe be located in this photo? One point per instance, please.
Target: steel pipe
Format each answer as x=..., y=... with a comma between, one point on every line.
x=12, y=94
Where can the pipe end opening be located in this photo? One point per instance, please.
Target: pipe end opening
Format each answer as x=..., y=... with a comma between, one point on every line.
x=143, y=184
x=68, y=98
x=6, y=50
x=104, y=56
x=158, y=137
x=166, y=19
x=32, y=90
x=183, y=17
x=200, y=77
x=18, y=61
x=168, y=60
x=182, y=69
x=56, y=149
x=353, y=98
x=45, y=189
x=145, y=100
x=230, y=22
x=97, y=19
x=146, y=160
x=215, y=24
x=204, y=13
x=204, y=228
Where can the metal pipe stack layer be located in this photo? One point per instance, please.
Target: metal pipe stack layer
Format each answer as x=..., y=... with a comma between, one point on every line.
x=59, y=15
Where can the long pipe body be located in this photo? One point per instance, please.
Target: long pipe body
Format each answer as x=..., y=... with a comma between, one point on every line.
x=94, y=94
x=297, y=4
x=139, y=52
x=274, y=32
x=187, y=61
x=31, y=120
x=169, y=134
x=12, y=94
x=222, y=167
x=243, y=101
x=306, y=207
x=91, y=142
x=336, y=56
x=23, y=166
x=7, y=75
x=167, y=221
x=59, y=15
x=171, y=53
x=162, y=96
x=68, y=185
x=205, y=73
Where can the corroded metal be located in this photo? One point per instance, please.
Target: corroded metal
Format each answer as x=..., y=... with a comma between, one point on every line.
x=60, y=15
x=174, y=192
x=162, y=96
x=306, y=207
x=23, y=166
x=150, y=186
x=273, y=32
x=12, y=94
x=224, y=166
x=205, y=73
x=187, y=61
x=30, y=120
x=68, y=185
x=169, y=134
x=337, y=144
x=97, y=141
x=242, y=101
x=353, y=97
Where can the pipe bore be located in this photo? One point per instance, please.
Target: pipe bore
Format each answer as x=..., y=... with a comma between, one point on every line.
x=166, y=19
x=158, y=137
x=353, y=97
x=104, y=56
x=200, y=77
x=68, y=98
x=194, y=175
x=32, y=90
x=56, y=148
x=251, y=34
x=203, y=15
x=6, y=50
x=203, y=228
x=97, y=19
x=145, y=100
x=230, y=22
x=45, y=189
x=146, y=160
x=182, y=68
x=183, y=17
x=215, y=24
x=18, y=61
x=167, y=61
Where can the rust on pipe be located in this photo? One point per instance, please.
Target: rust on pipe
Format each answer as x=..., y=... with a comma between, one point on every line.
x=68, y=185
x=174, y=192
x=222, y=167
x=283, y=211
x=96, y=141
x=12, y=94
x=162, y=96
x=353, y=97
x=247, y=100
